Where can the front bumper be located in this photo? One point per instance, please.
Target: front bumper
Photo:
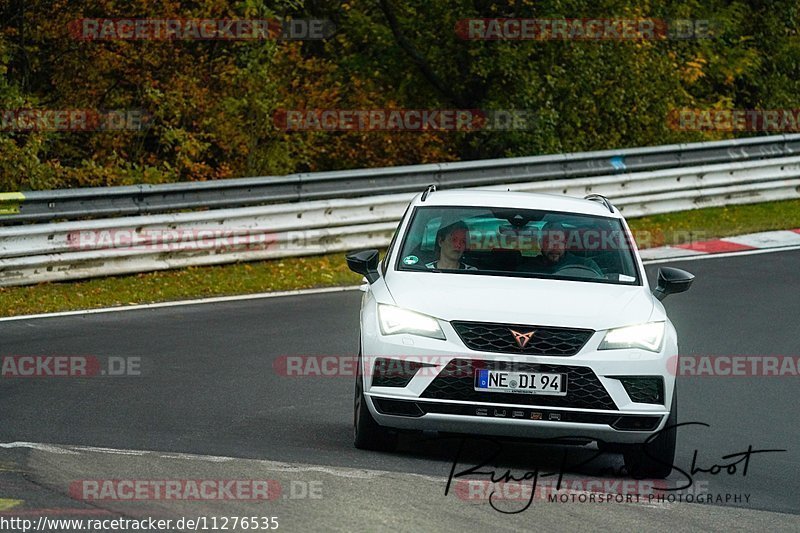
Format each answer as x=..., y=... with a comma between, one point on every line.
x=597, y=405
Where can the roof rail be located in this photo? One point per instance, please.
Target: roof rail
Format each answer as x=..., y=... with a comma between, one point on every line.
x=600, y=198
x=431, y=188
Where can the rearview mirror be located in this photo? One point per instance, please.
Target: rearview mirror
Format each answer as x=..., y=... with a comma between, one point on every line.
x=364, y=262
x=672, y=281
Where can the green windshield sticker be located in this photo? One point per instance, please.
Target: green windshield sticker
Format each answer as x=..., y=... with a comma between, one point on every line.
x=410, y=260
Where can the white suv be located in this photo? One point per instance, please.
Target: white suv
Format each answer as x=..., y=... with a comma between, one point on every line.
x=522, y=315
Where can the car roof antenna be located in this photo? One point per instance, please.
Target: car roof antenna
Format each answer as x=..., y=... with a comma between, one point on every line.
x=431, y=188
x=600, y=198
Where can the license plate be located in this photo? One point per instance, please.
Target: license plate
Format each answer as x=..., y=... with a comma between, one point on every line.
x=520, y=382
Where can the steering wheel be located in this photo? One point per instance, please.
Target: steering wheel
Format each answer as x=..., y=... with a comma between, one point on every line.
x=580, y=271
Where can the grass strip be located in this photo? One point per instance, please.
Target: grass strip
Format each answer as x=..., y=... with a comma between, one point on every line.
x=331, y=270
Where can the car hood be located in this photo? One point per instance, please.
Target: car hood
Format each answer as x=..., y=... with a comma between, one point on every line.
x=479, y=298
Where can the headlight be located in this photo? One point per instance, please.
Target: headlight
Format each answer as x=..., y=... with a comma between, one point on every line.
x=395, y=320
x=645, y=336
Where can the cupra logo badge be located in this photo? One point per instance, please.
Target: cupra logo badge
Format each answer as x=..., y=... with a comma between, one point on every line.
x=522, y=338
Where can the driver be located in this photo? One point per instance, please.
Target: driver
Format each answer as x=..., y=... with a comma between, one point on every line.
x=554, y=254
x=451, y=241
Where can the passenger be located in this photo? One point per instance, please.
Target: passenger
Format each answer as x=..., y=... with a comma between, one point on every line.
x=554, y=255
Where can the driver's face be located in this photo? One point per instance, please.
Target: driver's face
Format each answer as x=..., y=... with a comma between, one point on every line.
x=454, y=243
x=554, y=245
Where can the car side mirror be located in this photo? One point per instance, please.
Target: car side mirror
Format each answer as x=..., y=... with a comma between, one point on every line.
x=364, y=262
x=672, y=281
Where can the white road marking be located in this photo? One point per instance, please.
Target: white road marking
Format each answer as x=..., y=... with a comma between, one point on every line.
x=188, y=456
x=218, y=299
x=342, y=472
x=72, y=449
x=107, y=450
x=38, y=446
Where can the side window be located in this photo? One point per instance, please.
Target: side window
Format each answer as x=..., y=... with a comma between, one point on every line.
x=385, y=262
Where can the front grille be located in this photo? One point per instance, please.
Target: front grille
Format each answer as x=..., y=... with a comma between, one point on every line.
x=456, y=382
x=644, y=389
x=499, y=338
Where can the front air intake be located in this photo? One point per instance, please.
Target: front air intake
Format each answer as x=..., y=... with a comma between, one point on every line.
x=636, y=423
x=397, y=407
x=644, y=389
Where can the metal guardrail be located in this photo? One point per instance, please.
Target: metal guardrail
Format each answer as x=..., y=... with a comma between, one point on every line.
x=34, y=253
x=94, y=202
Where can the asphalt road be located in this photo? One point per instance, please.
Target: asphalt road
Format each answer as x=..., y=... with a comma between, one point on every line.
x=210, y=388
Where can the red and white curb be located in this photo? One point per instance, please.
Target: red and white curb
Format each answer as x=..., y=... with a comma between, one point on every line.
x=740, y=243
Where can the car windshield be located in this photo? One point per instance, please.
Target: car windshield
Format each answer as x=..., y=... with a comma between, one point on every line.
x=518, y=242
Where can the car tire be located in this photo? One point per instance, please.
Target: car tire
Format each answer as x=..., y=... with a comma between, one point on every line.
x=368, y=434
x=654, y=460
